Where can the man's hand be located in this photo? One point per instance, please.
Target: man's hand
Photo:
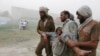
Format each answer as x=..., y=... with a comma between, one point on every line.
x=40, y=32
x=44, y=37
x=72, y=43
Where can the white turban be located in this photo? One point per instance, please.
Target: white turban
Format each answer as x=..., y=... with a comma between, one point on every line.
x=85, y=11
x=45, y=9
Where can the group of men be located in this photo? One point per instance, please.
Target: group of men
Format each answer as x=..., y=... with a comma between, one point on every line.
x=73, y=40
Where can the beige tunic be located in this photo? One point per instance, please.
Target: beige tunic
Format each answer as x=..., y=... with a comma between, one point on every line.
x=89, y=32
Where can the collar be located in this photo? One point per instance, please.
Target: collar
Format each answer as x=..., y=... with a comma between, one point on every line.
x=66, y=21
x=85, y=23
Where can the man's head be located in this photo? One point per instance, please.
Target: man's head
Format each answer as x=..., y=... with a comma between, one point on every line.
x=64, y=15
x=83, y=13
x=43, y=11
x=59, y=30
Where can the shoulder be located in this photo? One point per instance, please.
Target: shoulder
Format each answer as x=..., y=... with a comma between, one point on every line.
x=39, y=21
x=72, y=23
x=92, y=23
x=50, y=17
x=96, y=24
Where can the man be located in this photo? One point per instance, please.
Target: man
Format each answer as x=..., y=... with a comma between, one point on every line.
x=69, y=30
x=88, y=31
x=20, y=24
x=46, y=24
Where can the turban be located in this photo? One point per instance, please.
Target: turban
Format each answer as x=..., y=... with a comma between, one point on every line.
x=45, y=9
x=85, y=11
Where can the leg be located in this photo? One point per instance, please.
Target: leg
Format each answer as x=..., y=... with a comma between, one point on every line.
x=39, y=48
x=24, y=27
x=48, y=49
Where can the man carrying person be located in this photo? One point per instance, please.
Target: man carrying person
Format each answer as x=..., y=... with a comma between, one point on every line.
x=57, y=46
x=69, y=30
x=88, y=32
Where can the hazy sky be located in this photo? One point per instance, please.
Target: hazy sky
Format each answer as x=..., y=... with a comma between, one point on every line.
x=55, y=6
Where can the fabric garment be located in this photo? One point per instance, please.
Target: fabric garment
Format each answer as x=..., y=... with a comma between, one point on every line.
x=45, y=9
x=64, y=53
x=53, y=36
x=85, y=11
x=58, y=48
x=72, y=17
x=69, y=29
x=69, y=32
x=23, y=24
x=49, y=27
x=41, y=46
x=89, y=31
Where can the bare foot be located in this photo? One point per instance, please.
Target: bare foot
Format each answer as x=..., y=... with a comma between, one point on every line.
x=83, y=52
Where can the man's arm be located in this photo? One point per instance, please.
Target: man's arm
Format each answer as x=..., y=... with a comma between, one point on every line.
x=45, y=35
x=69, y=32
x=89, y=44
x=52, y=24
x=38, y=27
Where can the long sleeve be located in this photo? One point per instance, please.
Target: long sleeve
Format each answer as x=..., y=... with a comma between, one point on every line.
x=95, y=32
x=52, y=24
x=50, y=33
x=38, y=27
x=69, y=31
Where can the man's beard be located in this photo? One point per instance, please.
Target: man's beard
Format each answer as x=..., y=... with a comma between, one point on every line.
x=63, y=20
x=82, y=20
x=43, y=17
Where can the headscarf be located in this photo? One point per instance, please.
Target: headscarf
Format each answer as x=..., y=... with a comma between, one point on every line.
x=85, y=11
x=45, y=9
x=71, y=17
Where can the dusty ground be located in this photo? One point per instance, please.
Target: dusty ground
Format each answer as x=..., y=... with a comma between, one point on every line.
x=18, y=43
x=25, y=48
x=14, y=42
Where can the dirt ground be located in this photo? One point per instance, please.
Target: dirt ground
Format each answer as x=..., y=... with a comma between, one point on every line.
x=26, y=48
x=21, y=43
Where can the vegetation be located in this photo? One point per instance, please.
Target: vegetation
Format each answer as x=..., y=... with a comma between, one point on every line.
x=10, y=34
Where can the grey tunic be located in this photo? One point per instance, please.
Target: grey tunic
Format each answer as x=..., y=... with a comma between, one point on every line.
x=69, y=32
x=59, y=48
x=69, y=29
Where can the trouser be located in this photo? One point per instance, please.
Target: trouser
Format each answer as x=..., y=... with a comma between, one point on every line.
x=43, y=45
x=67, y=52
